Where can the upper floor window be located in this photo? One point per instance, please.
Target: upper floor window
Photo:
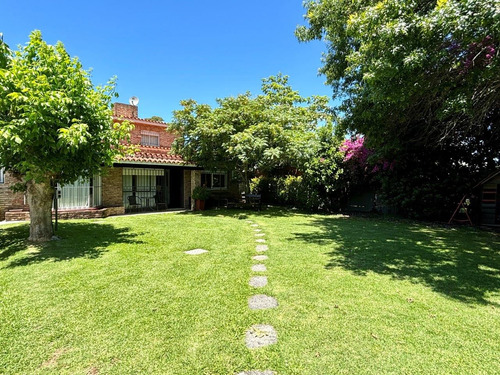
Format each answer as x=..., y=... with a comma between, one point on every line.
x=214, y=180
x=150, y=138
x=2, y=176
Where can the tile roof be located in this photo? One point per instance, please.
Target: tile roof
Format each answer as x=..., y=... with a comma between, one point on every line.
x=140, y=120
x=154, y=155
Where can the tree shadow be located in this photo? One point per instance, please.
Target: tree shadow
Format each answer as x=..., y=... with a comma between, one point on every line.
x=240, y=213
x=76, y=240
x=463, y=264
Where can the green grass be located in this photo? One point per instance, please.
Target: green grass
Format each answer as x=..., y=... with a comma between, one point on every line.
x=356, y=295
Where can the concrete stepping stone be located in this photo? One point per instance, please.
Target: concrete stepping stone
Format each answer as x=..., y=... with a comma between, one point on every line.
x=196, y=251
x=260, y=335
x=258, y=281
x=259, y=268
x=257, y=230
x=257, y=372
x=260, y=257
x=254, y=225
x=262, y=302
x=260, y=240
x=260, y=234
x=261, y=248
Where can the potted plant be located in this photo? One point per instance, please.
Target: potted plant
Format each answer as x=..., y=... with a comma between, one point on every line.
x=200, y=195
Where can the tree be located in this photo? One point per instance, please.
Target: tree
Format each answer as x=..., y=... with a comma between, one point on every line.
x=55, y=126
x=156, y=118
x=419, y=79
x=248, y=134
x=405, y=66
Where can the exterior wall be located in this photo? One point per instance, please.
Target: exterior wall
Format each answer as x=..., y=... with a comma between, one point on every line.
x=125, y=110
x=8, y=199
x=187, y=187
x=112, y=187
x=195, y=181
x=166, y=139
x=69, y=214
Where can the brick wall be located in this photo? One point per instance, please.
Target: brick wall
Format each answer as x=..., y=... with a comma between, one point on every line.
x=166, y=139
x=125, y=110
x=9, y=199
x=112, y=187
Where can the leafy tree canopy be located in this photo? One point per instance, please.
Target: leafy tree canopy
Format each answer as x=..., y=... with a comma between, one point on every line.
x=417, y=70
x=156, y=118
x=55, y=126
x=248, y=134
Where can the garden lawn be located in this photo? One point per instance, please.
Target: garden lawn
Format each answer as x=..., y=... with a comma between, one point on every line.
x=356, y=295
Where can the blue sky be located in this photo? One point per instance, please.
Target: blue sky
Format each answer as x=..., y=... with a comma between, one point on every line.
x=166, y=51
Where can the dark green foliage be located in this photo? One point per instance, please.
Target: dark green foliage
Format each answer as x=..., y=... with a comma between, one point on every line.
x=421, y=81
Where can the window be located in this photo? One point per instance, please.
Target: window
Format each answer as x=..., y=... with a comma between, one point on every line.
x=214, y=180
x=150, y=138
x=2, y=178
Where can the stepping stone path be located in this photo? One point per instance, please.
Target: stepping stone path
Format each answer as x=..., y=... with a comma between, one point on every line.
x=262, y=302
x=196, y=251
x=260, y=335
x=259, y=268
x=261, y=248
x=260, y=257
x=258, y=281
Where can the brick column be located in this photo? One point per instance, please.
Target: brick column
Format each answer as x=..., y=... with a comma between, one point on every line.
x=112, y=187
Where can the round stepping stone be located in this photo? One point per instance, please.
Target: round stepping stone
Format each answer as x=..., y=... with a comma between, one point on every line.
x=262, y=302
x=196, y=251
x=259, y=268
x=261, y=248
x=260, y=240
x=254, y=225
x=260, y=257
x=260, y=234
x=257, y=372
x=260, y=335
x=258, y=281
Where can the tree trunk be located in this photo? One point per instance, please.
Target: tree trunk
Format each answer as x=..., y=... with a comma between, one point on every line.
x=40, y=202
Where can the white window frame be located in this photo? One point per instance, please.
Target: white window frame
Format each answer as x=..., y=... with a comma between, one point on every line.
x=148, y=136
x=211, y=174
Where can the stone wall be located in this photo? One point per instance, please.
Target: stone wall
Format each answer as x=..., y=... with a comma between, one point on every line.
x=112, y=187
x=8, y=199
x=195, y=181
x=187, y=187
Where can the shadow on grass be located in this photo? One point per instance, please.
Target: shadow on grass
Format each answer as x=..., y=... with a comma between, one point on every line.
x=463, y=264
x=77, y=240
x=239, y=213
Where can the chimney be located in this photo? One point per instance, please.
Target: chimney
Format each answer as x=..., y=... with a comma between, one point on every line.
x=125, y=110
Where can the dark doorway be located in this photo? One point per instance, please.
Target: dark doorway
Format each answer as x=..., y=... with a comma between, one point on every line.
x=176, y=188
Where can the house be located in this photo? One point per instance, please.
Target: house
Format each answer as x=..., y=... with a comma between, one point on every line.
x=489, y=200
x=151, y=179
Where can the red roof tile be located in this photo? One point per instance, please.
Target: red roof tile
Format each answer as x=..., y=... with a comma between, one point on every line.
x=154, y=155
